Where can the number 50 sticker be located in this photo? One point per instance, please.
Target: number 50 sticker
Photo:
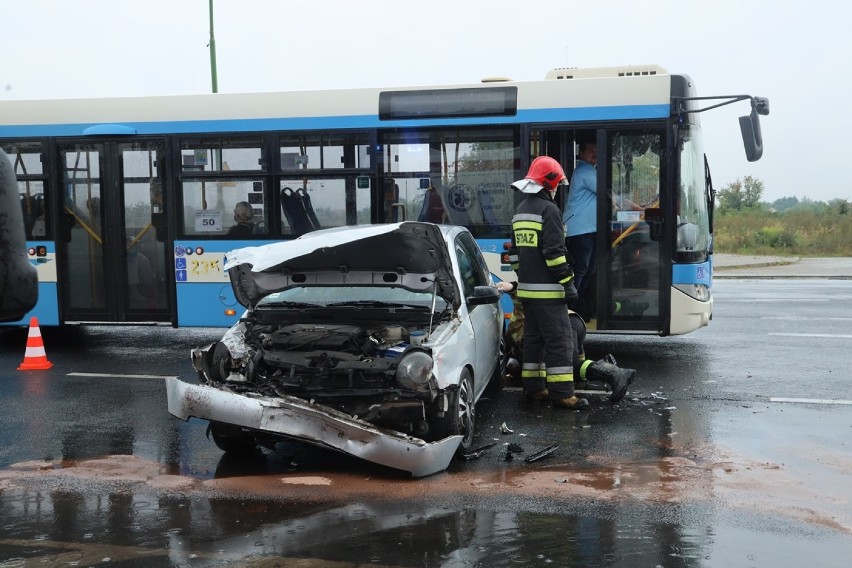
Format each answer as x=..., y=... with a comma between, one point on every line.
x=208, y=222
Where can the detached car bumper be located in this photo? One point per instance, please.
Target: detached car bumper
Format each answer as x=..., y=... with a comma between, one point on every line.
x=313, y=423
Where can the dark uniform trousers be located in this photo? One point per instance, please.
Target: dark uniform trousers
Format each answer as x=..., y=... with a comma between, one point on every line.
x=548, y=353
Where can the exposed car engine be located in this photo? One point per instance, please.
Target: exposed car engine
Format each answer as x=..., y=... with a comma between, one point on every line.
x=350, y=367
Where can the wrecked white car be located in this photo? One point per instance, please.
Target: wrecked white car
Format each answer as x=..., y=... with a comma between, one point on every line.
x=373, y=340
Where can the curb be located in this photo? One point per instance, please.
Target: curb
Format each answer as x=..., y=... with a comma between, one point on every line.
x=755, y=265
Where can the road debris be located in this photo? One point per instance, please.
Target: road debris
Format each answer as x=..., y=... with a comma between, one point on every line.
x=512, y=449
x=476, y=453
x=542, y=454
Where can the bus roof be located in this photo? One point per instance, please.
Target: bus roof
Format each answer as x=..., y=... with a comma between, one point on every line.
x=593, y=94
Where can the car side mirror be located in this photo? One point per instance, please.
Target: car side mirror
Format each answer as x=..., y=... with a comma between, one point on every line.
x=483, y=295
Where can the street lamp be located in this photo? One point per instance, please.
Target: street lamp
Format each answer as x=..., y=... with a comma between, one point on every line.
x=213, y=53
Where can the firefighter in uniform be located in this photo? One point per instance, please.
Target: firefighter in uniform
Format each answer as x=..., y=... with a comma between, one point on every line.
x=545, y=285
x=605, y=370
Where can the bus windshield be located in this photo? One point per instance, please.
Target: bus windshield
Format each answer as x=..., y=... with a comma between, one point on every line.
x=693, y=228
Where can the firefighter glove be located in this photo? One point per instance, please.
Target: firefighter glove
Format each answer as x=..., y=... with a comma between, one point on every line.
x=570, y=293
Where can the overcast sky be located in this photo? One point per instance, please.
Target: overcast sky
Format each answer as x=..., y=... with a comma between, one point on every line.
x=797, y=54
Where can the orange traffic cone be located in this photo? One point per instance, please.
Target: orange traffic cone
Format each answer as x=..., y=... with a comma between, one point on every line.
x=35, y=358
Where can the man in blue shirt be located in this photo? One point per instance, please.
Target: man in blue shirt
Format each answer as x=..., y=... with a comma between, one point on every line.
x=580, y=217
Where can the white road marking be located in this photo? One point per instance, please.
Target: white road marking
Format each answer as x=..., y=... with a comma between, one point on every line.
x=803, y=318
x=750, y=300
x=810, y=400
x=831, y=335
x=112, y=375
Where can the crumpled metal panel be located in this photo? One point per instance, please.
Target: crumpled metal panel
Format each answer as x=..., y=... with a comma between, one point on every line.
x=312, y=423
x=417, y=253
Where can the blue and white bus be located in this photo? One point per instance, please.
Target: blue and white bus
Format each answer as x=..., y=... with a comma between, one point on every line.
x=131, y=203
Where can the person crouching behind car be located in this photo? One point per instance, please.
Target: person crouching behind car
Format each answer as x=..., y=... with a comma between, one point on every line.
x=545, y=284
x=605, y=369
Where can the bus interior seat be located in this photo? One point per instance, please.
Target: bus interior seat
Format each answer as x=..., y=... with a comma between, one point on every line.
x=298, y=210
x=687, y=236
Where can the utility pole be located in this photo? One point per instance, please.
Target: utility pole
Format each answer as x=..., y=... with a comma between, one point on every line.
x=213, y=53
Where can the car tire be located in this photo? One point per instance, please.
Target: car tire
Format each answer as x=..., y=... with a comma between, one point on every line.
x=231, y=439
x=460, y=417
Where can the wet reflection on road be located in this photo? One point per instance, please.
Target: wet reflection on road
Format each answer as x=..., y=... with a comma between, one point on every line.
x=650, y=503
x=62, y=528
x=682, y=473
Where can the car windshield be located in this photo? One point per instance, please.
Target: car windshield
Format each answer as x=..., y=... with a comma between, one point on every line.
x=350, y=296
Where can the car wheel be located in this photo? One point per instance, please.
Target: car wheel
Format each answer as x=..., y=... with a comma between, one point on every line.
x=231, y=439
x=460, y=417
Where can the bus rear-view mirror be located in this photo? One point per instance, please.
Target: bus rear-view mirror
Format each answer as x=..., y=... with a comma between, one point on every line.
x=750, y=128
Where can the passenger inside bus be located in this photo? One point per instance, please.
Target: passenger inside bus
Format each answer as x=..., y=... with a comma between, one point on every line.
x=34, y=222
x=433, y=210
x=391, y=199
x=141, y=278
x=243, y=214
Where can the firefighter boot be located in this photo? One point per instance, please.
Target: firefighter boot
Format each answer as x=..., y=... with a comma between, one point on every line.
x=537, y=395
x=616, y=377
x=532, y=379
x=569, y=400
x=571, y=403
x=583, y=382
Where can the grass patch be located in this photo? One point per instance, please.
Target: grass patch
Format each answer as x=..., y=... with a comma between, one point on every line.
x=794, y=232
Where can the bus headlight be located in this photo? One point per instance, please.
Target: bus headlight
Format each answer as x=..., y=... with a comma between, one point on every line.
x=414, y=371
x=700, y=292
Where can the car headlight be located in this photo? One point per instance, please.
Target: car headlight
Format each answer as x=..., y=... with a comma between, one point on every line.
x=414, y=371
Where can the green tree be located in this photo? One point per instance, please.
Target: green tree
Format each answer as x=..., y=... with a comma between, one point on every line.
x=752, y=191
x=739, y=195
x=809, y=204
x=731, y=196
x=839, y=206
x=785, y=203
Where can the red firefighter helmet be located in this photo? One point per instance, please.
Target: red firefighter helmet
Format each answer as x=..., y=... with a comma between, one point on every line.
x=545, y=172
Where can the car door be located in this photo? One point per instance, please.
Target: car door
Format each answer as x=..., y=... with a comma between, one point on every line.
x=485, y=319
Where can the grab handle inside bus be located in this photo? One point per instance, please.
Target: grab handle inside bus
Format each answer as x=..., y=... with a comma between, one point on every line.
x=654, y=218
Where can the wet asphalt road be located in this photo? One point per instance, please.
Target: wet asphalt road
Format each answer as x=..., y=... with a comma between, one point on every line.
x=732, y=449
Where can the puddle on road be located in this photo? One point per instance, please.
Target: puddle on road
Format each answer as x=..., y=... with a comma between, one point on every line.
x=223, y=533
x=673, y=511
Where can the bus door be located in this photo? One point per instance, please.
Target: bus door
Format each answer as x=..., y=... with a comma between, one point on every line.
x=112, y=238
x=633, y=284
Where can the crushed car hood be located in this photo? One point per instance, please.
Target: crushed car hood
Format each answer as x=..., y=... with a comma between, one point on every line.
x=410, y=255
